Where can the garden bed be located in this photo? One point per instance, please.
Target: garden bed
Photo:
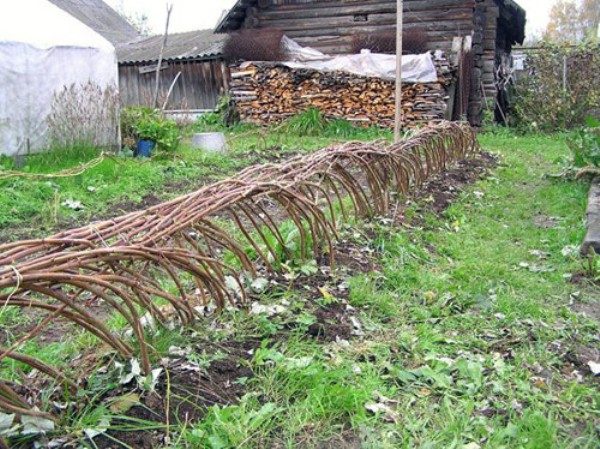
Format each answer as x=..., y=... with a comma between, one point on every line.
x=452, y=317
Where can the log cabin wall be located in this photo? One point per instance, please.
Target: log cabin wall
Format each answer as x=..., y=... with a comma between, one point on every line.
x=198, y=88
x=329, y=25
x=489, y=48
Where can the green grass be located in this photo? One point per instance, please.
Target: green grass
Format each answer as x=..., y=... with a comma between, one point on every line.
x=465, y=327
x=460, y=333
x=34, y=207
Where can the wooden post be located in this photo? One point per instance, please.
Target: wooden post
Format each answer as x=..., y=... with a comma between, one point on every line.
x=398, y=118
x=160, y=56
x=565, y=73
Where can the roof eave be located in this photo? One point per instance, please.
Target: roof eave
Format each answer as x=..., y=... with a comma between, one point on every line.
x=225, y=25
x=208, y=57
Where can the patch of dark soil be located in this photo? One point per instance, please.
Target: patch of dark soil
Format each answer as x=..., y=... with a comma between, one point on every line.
x=438, y=193
x=579, y=278
x=124, y=207
x=332, y=324
x=575, y=357
x=350, y=258
x=190, y=390
x=580, y=355
x=590, y=310
x=585, y=279
x=490, y=412
x=355, y=258
x=346, y=440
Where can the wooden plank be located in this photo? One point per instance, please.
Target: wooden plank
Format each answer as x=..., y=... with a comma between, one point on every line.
x=434, y=21
x=592, y=237
x=409, y=5
x=378, y=8
x=192, y=88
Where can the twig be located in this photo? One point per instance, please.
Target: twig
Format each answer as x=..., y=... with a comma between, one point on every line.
x=164, y=106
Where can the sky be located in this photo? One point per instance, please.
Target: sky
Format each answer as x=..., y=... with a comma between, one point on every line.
x=190, y=15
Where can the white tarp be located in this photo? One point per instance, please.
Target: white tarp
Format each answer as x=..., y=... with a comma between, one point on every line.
x=43, y=49
x=415, y=68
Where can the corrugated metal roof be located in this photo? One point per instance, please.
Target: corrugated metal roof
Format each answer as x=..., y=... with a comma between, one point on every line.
x=192, y=44
x=101, y=18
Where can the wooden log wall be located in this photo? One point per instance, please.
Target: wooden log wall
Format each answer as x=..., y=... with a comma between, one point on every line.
x=329, y=25
x=492, y=13
x=198, y=87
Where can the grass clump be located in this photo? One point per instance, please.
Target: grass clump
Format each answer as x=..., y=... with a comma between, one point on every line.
x=311, y=122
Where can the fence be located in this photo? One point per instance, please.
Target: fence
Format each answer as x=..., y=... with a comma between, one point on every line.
x=558, y=88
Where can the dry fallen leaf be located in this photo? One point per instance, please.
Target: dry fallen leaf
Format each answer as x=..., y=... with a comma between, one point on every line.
x=123, y=403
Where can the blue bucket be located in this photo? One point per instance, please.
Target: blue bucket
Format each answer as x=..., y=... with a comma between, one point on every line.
x=144, y=148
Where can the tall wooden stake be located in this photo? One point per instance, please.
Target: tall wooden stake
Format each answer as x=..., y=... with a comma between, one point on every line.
x=398, y=118
x=160, y=56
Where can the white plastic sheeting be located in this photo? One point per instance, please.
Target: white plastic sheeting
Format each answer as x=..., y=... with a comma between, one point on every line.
x=43, y=49
x=415, y=68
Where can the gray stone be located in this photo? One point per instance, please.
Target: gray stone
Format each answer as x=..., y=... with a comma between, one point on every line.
x=210, y=142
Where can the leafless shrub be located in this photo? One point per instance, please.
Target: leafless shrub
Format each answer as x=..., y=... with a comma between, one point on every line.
x=414, y=41
x=84, y=114
x=255, y=45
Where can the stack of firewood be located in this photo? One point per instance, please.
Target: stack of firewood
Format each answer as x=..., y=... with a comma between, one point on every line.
x=268, y=93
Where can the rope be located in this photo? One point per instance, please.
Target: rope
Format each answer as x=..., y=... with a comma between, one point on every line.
x=75, y=171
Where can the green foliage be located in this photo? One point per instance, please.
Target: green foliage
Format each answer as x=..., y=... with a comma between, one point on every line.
x=222, y=117
x=545, y=100
x=309, y=123
x=585, y=145
x=312, y=122
x=162, y=131
x=232, y=427
x=130, y=117
x=150, y=124
x=344, y=129
x=33, y=207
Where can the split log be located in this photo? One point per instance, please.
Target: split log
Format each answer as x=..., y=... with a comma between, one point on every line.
x=268, y=93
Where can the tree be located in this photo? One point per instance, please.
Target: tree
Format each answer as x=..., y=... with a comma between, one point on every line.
x=573, y=20
x=590, y=18
x=137, y=20
x=564, y=25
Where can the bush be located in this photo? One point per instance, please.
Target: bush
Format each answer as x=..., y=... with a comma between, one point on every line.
x=585, y=146
x=254, y=45
x=544, y=102
x=150, y=124
x=414, y=41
